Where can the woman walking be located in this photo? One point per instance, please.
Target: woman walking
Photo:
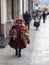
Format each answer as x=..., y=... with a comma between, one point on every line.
x=17, y=40
x=36, y=22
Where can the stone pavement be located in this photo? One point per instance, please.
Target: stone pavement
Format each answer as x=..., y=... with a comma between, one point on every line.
x=36, y=53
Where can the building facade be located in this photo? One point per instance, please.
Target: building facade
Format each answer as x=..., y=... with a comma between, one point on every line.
x=30, y=6
x=12, y=9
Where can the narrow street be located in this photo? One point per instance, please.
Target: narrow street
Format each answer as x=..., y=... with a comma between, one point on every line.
x=36, y=53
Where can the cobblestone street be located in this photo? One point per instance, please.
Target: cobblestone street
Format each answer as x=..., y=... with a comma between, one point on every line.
x=36, y=53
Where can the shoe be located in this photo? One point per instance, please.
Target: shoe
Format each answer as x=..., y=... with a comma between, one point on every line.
x=19, y=55
x=28, y=40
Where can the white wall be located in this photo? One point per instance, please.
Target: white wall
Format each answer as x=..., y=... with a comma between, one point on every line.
x=20, y=7
x=4, y=15
x=3, y=12
x=25, y=5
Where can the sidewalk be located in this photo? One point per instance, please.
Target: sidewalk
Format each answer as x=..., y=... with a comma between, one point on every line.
x=3, y=42
x=36, y=53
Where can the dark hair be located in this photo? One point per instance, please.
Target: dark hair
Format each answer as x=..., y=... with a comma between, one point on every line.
x=13, y=27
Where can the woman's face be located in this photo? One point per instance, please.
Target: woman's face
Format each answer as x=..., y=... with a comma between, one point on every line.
x=18, y=22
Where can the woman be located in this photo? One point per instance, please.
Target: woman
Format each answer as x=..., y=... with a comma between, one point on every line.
x=17, y=41
x=36, y=22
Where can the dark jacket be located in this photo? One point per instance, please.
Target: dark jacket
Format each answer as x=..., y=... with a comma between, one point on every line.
x=27, y=17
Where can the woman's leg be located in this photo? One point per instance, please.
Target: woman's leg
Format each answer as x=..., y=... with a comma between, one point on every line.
x=28, y=26
x=19, y=52
x=16, y=52
x=36, y=28
x=43, y=20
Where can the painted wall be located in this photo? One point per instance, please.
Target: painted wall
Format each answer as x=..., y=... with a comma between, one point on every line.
x=20, y=7
x=3, y=12
x=25, y=5
x=3, y=16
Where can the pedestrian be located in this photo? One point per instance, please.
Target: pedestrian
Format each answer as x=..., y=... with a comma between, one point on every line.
x=39, y=15
x=17, y=40
x=27, y=19
x=44, y=16
x=33, y=14
x=36, y=22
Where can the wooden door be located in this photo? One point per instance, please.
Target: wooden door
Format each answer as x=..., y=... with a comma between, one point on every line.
x=0, y=17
